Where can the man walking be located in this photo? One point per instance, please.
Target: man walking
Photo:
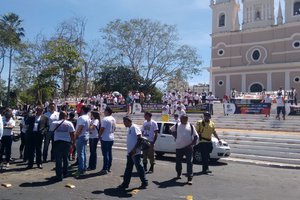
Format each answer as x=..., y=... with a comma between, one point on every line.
x=206, y=128
x=186, y=137
x=133, y=154
x=150, y=131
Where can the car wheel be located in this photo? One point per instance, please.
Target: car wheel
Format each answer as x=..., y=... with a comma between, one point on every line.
x=159, y=154
x=197, y=156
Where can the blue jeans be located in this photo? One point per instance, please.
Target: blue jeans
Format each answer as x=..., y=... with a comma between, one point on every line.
x=106, y=147
x=49, y=137
x=137, y=161
x=188, y=153
x=61, y=149
x=93, y=153
x=81, y=144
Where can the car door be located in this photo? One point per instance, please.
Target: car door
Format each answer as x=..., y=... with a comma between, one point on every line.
x=166, y=141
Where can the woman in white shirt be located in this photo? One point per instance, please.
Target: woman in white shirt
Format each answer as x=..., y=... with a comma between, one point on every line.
x=93, y=140
x=8, y=125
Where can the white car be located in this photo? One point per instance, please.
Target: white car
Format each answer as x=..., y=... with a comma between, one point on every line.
x=165, y=143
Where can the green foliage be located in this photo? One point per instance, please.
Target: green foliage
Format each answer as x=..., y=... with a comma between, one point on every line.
x=63, y=67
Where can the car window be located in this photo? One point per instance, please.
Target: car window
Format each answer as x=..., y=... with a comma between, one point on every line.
x=166, y=129
x=159, y=127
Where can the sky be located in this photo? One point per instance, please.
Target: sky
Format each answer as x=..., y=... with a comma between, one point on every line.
x=192, y=18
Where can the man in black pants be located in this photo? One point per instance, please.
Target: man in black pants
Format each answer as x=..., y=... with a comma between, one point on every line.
x=37, y=127
x=206, y=128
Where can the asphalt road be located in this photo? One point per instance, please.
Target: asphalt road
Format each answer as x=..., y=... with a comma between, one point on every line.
x=229, y=180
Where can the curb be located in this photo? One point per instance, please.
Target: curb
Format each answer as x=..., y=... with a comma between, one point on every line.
x=263, y=163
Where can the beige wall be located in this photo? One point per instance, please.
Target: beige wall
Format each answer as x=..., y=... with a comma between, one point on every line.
x=275, y=40
x=256, y=78
x=235, y=82
x=220, y=90
x=278, y=80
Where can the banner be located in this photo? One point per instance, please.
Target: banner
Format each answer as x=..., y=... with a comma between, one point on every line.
x=294, y=110
x=260, y=108
x=157, y=108
x=115, y=108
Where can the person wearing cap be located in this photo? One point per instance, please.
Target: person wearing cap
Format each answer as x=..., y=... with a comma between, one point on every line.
x=106, y=135
x=206, y=128
x=186, y=137
x=134, y=156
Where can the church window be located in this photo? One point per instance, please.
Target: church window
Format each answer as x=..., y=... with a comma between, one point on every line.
x=256, y=55
x=222, y=20
x=297, y=79
x=257, y=15
x=220, y=82
x=220, y=52
x=296, y=44
x=297, y=8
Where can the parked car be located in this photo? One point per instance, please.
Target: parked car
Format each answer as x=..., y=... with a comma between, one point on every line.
x=165, y=143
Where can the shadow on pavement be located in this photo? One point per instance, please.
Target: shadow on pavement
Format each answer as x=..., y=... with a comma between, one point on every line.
x=115, y=192
x=48, y=181
x=169, y=183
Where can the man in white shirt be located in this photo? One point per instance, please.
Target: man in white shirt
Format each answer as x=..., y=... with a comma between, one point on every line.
x=210, y=98
x=52, y=116
x=134, y=156
x=108, y=127
x=150, y=131
x=186, y=137
x=179, y=111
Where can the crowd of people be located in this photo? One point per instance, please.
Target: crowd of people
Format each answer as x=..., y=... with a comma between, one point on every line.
x=68, y=135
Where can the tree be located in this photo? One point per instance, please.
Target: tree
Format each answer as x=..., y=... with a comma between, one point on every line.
x=11, y=34
x=150, y=49
x=63, y=65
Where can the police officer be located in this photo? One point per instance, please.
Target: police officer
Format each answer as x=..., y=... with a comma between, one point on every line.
x=206, y=128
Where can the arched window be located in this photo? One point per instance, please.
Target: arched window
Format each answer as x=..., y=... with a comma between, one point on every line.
x=297, y=8
x=256, y=87
x=257, y=15
x=222, y=20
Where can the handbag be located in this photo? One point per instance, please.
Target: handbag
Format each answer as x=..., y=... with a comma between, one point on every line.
x=143, y=143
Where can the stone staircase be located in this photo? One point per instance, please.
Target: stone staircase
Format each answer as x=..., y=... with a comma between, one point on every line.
x=236, y=121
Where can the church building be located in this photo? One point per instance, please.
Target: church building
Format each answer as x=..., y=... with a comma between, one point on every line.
x=261, y=51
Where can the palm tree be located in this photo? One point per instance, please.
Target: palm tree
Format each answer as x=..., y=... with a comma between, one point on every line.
x=11, y=32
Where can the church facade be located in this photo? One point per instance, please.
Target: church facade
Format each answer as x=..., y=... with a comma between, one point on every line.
x=261, y=52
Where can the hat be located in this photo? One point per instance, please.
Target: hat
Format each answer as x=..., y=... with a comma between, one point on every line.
x=128, y=118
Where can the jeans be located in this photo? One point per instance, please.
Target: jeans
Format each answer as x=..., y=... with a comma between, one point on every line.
x=81, y=144
x=188, y=153
x=6, y=146
x=137, y=161
x=61, y=149
x=106, y=147
x=93, y=153
x=49, y=137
